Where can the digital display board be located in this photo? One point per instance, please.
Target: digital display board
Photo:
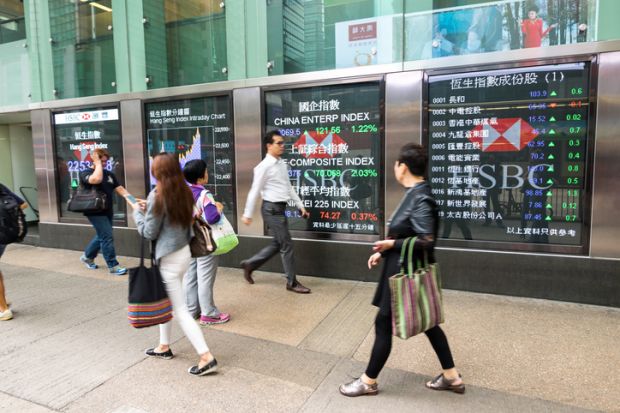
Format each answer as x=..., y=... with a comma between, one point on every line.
x=77, y=134
x=198, y=128
x=507, y=153
x=333, y=147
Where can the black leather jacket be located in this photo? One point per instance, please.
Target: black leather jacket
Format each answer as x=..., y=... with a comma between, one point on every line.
x=417, y=215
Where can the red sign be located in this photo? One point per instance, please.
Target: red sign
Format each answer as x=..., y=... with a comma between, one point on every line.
x=362, y=31
x=319, y=145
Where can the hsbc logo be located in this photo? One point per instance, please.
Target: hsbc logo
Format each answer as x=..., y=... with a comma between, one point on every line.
x=507, y=135
x=86, y=116
x=319, y=145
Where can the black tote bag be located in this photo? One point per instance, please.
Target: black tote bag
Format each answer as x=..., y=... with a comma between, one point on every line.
x=149, y=304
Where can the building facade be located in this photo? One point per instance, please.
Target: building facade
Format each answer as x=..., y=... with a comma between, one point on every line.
x=515, y=100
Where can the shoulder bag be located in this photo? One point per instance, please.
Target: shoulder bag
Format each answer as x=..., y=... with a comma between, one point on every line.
x=416, y=298
x=87, y=200
x=149, y=304
x=224, y=236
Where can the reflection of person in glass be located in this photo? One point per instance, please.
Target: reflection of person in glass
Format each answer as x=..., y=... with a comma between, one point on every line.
x=271, y=181
x=416, y=216
x=532, y=28
x=106, y=182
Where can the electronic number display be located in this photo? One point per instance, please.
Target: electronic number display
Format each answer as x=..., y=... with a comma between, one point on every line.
x=199, y=128
x=507, y=153
x=77, y=134
x=333, y=141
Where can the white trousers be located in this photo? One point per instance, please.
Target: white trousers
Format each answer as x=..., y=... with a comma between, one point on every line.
x=172, y=267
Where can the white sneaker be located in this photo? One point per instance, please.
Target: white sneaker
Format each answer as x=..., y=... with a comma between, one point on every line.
x=6, y=315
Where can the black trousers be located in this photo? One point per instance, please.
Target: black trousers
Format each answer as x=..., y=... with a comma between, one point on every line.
x=274, y=217
x=383, y=346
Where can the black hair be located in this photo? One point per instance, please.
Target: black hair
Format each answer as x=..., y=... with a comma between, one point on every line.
x=194, y=170
x=268, y=138
x=532, y=7
x=414, y=156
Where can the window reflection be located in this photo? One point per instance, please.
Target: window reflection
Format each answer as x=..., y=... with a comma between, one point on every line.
x=82, y=47
x=12, y=23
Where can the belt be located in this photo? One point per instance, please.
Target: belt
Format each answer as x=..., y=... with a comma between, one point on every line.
x=276, y=203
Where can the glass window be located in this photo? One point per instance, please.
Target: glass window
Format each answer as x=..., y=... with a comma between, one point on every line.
x=311, y=35
x=451, y=27
x=185, y=42
x=12, y=23
x=82, y=47
x=199, y=128
x=77, y=133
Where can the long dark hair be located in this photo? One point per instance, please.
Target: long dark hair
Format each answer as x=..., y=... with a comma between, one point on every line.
x=172, y=191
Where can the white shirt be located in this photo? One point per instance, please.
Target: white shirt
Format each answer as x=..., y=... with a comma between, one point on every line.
x=271, y=181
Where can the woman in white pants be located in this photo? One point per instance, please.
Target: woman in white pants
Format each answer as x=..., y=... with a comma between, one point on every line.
x=168, y=220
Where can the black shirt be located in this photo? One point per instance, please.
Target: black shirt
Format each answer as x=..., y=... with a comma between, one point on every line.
x=108, y=184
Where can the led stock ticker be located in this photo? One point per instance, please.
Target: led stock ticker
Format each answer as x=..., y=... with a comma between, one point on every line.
x=333, y=149
x=508, y=153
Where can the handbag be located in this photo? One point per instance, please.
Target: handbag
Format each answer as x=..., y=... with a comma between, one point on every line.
x=87, y=200
x=202, y=243
x=416, y=299
x=149, y=304
x=224, y=236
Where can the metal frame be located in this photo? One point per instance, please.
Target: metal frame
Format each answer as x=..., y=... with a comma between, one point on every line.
x=336, y=236
x=587, y=197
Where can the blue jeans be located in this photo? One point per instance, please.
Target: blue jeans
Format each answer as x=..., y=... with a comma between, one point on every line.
x=103, y=240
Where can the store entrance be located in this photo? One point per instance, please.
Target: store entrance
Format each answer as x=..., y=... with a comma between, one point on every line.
x=17, y=170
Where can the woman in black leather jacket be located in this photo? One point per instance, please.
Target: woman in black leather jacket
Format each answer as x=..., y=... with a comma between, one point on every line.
x=415, y=216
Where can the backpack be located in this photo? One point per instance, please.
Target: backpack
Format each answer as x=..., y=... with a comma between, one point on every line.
x=12, y=220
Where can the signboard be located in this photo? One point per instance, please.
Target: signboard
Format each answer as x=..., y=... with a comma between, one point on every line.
x=508, y=153
x=77, y=133
x=364, y=42
x=333, y=141
x=198, y=128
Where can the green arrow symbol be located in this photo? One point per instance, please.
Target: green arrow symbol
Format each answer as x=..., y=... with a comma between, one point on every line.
x=551, y=132
x=551, y=145
x=549, y=193
x=550, y=169
x=553, y=93
x=548, y=219
x=74, y=183
x=550, y=181
x=549, y=206
x=551, y=157
x=552, y=119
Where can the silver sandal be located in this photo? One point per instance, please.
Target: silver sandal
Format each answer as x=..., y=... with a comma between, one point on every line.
x=358, y=388
x=442, y=383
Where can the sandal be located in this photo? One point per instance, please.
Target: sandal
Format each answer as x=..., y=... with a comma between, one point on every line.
x=442, y=383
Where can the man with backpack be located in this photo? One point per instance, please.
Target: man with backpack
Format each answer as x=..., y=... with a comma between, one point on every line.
x=12, y=229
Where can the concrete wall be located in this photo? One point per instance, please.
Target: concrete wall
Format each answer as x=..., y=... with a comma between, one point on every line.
x=14, y=74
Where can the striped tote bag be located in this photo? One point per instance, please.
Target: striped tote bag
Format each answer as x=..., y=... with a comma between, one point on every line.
x=149, y=304
x=415, y=295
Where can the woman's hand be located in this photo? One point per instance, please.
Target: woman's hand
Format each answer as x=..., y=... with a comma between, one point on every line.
x=374, y=260
x=219, y=207
x=383, y=245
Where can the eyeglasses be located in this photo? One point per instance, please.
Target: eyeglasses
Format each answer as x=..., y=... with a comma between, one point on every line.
x=280, y=143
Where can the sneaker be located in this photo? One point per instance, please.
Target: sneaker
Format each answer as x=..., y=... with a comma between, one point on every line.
x=166, y=355
x=118, y=270
x=221, y=319
x=6, y=315
x=210, y=367
x=90, y=263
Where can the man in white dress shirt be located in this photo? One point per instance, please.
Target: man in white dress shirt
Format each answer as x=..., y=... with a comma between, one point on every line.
x=271, y=182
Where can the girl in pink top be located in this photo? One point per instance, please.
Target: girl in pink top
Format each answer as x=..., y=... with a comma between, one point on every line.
x=532, y=29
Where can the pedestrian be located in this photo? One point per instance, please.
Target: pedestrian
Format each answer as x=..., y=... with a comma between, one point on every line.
x=532, y=28
x=200, y=278
x=106, y=182
x=5, y=311
x=168, y=220
x=271, y=181
x=416, y=216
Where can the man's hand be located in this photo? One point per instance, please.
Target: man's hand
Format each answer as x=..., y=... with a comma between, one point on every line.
x=95, y=157
x=304, y=213
x=23, y=206
x=374, y=260
x=246, y=220
x=383, y=245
